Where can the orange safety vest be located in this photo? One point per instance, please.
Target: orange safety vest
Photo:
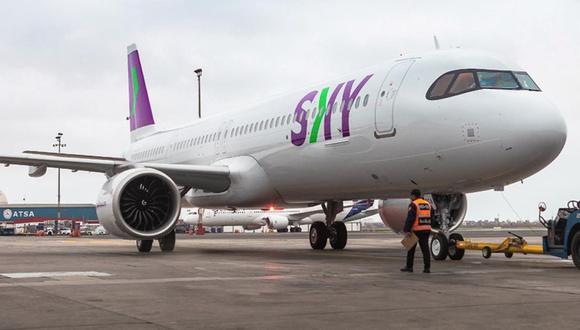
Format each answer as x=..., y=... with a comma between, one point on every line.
x=422, y=216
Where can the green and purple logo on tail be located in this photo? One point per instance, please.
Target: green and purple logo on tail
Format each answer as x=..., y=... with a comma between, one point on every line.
x=140, y=110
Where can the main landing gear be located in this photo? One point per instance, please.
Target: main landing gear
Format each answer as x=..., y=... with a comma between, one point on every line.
x=166, y=243
x=333, y=231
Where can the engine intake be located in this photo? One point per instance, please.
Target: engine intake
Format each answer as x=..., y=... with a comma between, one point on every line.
x=277, y=222
x=139, y=204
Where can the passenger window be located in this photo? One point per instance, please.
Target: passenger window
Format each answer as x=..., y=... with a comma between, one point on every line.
x=334, y=106
x=497, y=79
x=440, y=86
x=261, y=125
x=313, y=113
x=289, y=120
x=464, y=82
x=277, y=121
x=366, y=100
x=357, y=102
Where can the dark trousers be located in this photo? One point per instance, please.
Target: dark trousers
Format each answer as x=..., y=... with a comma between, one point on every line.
x=423, y=237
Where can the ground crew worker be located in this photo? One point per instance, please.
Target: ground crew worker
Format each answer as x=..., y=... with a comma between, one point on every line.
x=418, y=222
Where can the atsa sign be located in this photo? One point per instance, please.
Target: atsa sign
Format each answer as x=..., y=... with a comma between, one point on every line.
x=9, y=214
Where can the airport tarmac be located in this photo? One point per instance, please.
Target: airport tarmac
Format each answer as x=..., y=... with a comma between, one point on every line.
x=275, y=281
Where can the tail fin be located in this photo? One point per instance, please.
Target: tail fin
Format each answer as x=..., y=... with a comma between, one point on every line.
x=359, y=206
x=140, y=115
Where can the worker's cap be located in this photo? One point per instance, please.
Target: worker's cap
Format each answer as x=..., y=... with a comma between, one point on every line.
x=416, y=192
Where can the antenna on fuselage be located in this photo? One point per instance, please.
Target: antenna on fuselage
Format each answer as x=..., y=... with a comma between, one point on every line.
x=436, y=42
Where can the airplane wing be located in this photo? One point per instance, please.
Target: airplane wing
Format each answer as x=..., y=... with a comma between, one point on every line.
x=294, y=217
x=361, y=215
x=207, y=177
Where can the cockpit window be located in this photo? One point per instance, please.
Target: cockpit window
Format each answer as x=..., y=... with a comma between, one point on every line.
x=462, y=81
x=441, y=85
x=497, y=79
x=526, y=81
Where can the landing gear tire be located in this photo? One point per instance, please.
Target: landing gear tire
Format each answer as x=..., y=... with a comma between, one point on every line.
x=486, y=252
x=454, y=252
x=439, y=246
x=298, y=229
x=509, y=255
x=318, y=236
x=144, y=245
x=339, y=235
x=167, y=243
x=575, y=249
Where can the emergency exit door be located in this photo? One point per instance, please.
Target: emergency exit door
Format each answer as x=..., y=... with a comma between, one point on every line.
x=385, y=107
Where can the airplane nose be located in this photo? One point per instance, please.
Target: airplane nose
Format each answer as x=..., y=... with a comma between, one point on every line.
x=539, y=136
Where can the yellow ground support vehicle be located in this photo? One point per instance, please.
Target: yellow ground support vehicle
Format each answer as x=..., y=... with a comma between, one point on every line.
x=562, y=239
x=508, y=246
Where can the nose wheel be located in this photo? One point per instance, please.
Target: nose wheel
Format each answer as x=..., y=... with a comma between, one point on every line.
x=439, y=246
x=442, y=247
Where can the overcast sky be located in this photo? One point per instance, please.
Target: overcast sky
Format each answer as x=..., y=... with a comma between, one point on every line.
x=63, y=69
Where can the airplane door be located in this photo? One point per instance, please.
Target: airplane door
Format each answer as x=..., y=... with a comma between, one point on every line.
x=385, y=106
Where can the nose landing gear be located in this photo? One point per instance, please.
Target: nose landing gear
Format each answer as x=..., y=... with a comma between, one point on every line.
x=442, y=247
x=334, y=232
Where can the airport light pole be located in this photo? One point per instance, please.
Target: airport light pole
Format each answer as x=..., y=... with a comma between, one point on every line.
x=198, y=73
x=59, y=145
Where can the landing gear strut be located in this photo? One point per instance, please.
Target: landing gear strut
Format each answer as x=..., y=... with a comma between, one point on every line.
x=335, y=232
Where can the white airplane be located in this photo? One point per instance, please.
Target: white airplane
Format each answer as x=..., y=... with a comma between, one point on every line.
x=447, y=122
x=252, y=219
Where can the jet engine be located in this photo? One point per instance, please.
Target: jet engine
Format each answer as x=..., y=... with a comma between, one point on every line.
x=139, y=204
x=277, y=222
x=449, y=211
x=252, y=227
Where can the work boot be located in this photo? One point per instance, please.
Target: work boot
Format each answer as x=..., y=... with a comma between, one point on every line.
x=408, y=270
x=427, y=271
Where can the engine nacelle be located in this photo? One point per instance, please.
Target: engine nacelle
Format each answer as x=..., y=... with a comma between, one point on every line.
x=139, y=204
x=277, y=222
x=449, y=211
x=252, y=226
x=393, y=212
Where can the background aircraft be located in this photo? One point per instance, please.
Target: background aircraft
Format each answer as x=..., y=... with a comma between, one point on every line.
x=280, y=220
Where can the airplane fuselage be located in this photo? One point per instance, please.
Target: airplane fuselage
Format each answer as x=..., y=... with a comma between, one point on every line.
x=378, y=136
